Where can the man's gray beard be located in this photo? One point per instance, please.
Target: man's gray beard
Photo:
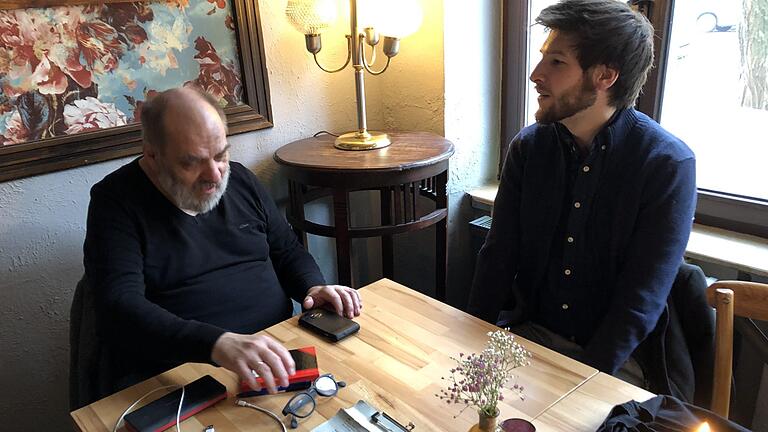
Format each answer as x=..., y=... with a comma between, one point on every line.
x=184, y=198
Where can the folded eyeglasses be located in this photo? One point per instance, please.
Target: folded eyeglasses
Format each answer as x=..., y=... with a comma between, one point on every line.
x=303, y=404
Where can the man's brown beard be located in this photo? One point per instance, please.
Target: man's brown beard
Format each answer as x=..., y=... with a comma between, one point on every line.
x=569, y=103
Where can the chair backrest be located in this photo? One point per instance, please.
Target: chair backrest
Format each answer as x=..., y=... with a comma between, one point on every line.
x=89, y=365
x=729, y=298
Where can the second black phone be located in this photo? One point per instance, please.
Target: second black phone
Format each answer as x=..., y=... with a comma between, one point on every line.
x=328, y=324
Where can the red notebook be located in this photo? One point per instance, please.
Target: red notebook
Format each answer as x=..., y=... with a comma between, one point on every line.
x=306, y=372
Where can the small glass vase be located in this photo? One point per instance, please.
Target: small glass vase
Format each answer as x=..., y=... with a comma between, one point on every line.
x=486, y=423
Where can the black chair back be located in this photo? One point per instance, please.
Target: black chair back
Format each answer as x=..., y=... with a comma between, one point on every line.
x=89, y=365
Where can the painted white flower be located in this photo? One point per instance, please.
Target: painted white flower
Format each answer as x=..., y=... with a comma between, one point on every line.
x=15, y=131
x=85, y=115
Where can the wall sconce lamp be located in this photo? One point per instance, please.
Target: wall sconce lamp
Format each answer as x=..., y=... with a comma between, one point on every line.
x=391, y=21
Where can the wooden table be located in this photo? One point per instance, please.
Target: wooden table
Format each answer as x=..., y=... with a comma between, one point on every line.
x=415, y=164
x=395, y=363
x=585, y=408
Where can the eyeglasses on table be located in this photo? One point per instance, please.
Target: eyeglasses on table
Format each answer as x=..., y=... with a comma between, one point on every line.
x=303, y=404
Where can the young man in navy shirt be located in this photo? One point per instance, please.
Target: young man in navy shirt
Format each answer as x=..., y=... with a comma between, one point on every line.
x=596, y=200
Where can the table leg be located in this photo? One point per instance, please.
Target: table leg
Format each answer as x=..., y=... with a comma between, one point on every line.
x=387, y=246
x=441, y=237
x=296, y=208
x=341, y=230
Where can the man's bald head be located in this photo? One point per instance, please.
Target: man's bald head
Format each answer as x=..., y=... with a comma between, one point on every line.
x=186, y=153
x=175, y=108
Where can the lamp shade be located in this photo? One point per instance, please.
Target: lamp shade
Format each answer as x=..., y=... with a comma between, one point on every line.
x=398, y=18
x=311, y=17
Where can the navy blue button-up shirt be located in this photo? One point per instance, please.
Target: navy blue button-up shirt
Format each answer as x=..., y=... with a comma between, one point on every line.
x=588, y=245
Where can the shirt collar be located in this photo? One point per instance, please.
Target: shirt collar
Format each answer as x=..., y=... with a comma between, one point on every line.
x=619, y=123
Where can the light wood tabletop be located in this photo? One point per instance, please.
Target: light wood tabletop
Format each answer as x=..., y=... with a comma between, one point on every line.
x=395, y=363
x=586, y=408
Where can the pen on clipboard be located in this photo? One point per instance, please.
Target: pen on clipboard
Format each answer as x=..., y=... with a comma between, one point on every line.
x=380, y=419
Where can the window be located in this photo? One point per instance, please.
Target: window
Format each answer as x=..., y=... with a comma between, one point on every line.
x=709, y=90
x=708, y=87
x=537, y=36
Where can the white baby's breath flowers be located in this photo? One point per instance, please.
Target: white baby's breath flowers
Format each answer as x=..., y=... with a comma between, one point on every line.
x=478, y=379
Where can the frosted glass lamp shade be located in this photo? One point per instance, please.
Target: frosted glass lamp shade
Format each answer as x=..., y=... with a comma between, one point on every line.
x=311, y=17
x=398, y=18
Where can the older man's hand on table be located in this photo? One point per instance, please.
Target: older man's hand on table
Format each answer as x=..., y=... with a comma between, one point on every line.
x=243, y=354
x=344, y=300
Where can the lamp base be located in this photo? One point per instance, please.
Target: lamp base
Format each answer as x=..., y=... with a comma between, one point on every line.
x=362, y=141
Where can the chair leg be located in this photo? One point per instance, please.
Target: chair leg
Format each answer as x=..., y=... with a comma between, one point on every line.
x=721, y=388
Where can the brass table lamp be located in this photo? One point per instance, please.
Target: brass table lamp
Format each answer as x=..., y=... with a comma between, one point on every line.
x=391, y=21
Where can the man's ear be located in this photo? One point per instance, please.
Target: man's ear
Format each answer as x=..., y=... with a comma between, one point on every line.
x=604, y=77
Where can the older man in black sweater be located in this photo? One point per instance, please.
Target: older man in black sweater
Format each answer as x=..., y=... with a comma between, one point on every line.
x=189, y=256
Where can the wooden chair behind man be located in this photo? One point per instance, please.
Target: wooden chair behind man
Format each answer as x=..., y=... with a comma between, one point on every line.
x=729, y=298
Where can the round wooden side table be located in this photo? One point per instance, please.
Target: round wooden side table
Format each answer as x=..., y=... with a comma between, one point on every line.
x=415, y=164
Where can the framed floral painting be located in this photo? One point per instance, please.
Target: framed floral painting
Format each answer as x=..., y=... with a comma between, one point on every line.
x=74, y=73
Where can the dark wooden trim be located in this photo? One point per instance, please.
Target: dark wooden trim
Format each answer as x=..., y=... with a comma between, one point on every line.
x=296, y=207
x=386, y=230
x=441, y=237
x=659, y=12
x=738, y=214
x=514, y=70
x=416, y=164
x=255, y=67
x=342, y=235
x=23, y=4
x=63, y=152
x=387, y=243
x=360, y=179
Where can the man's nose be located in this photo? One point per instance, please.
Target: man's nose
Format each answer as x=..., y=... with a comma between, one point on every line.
x=213, y=172
x=536, y=73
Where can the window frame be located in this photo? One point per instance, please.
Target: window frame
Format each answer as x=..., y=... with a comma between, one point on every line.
x=514, y=70
x=727, y=211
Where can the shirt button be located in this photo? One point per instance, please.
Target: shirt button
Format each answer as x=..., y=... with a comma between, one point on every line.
x=577, y=204
x=586, y=168
x=567, y=272
x=565, y=306
x=570, y=239
x=602, y=147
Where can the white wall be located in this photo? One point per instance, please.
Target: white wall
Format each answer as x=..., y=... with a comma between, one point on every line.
x=445, y=87
x=446, y=80
x=472, y=122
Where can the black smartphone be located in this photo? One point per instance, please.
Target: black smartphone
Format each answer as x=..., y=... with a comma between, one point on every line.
x=328, y=324
x=160, y=414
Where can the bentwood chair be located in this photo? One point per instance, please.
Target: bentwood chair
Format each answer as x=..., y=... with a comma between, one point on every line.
x=729, y=298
